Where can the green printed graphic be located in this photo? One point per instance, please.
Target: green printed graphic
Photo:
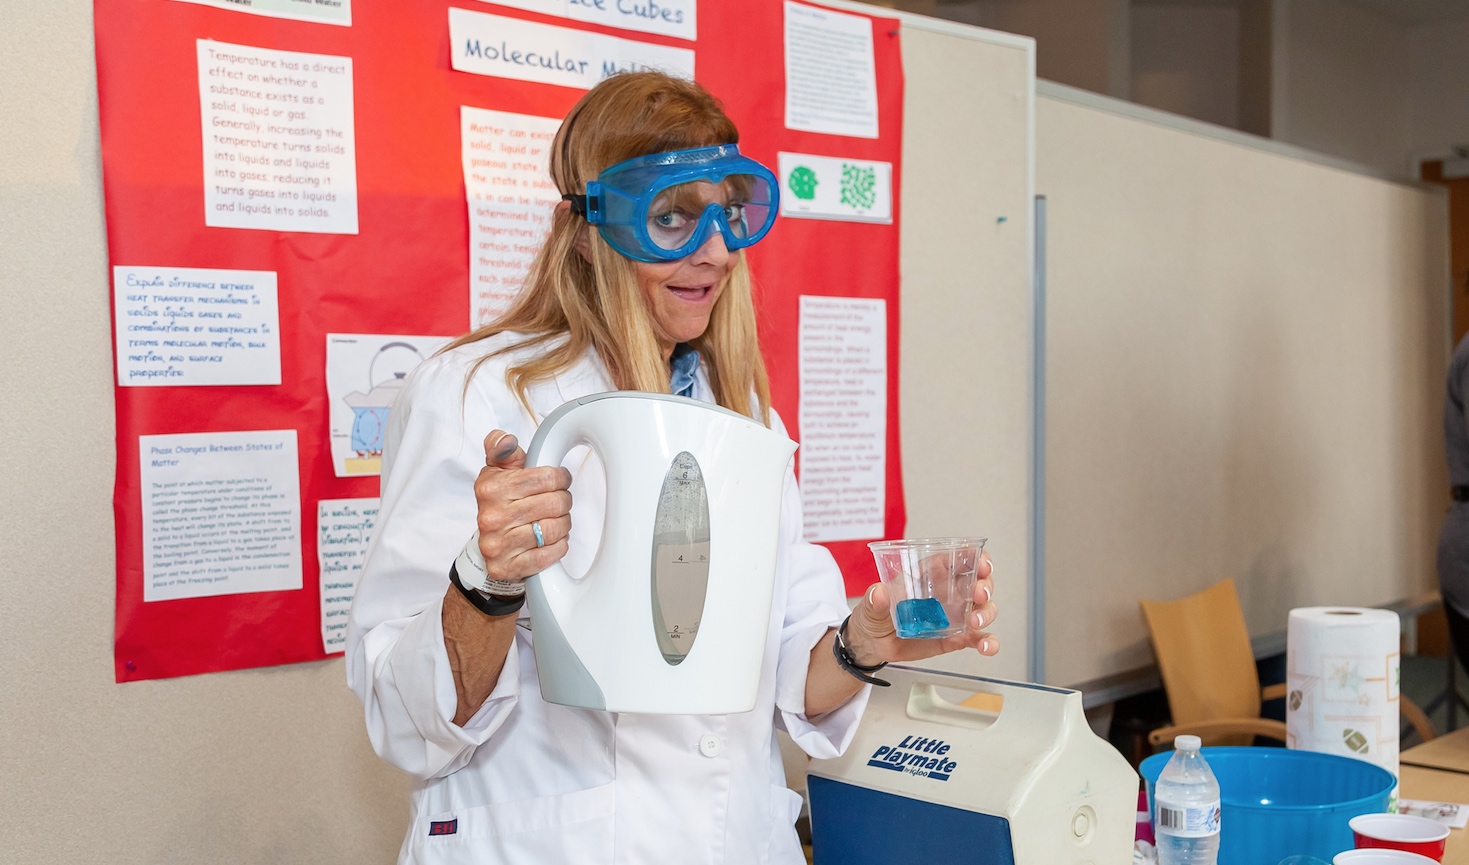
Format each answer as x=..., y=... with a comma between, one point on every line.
x=802, y=183
x=859, y=186
x=1355, y=741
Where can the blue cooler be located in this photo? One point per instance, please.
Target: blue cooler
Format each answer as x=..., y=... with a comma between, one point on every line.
x=957, y=769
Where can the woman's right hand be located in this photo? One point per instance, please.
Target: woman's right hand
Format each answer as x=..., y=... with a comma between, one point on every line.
x=510, y=498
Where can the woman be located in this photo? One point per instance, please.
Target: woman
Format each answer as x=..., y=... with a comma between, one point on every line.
x=447, y=677
x=1453, y=535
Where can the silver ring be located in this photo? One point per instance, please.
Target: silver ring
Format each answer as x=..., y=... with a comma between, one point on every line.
x=540, y=538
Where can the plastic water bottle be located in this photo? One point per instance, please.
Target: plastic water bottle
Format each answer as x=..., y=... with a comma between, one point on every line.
x=1186, y=805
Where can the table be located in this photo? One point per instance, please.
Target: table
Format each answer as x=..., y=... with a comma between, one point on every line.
x=1449, y=751
x=1439, y=786
x=1446, y=781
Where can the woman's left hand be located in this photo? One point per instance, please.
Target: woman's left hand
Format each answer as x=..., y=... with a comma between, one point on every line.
x=873, y=639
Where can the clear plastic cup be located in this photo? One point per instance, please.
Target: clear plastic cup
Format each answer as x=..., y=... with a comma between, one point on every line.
x=930, y=582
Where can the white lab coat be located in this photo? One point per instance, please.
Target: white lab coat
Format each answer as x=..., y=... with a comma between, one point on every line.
x=533, y=783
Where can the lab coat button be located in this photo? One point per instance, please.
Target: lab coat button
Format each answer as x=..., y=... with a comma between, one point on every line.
x=710, y=746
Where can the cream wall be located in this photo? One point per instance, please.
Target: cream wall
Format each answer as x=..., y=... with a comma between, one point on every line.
x=259, y=766
x=1245, y=358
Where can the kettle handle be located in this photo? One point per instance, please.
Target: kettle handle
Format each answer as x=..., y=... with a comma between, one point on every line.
x=471, y=562
x=563, y=429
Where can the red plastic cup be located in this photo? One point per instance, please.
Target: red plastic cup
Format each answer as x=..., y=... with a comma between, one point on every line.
x=1400, y=832
x=1378, y=856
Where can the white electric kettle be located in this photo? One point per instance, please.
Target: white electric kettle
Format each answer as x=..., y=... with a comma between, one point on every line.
x=671, y=617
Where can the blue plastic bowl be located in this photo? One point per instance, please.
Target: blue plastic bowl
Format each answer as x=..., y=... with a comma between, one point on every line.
x=1278, y=803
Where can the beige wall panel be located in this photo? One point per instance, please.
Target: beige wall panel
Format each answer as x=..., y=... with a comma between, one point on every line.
x=258, y=766
x=967, y=312
x=1245, y=360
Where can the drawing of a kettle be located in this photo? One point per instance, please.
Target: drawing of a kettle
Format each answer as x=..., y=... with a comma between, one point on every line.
x=389, y=367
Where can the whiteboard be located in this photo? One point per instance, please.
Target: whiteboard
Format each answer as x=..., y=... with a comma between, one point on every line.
x=1244, y=375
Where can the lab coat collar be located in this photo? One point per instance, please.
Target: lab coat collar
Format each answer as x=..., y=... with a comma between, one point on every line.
x=586, y=377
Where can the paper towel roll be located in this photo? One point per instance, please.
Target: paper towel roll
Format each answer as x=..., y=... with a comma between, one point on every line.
x=1342, y=675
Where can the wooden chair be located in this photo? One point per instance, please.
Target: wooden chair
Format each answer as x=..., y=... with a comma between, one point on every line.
x=1208, y=669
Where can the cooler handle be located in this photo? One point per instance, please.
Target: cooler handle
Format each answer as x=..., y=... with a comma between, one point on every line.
x=1031, y=706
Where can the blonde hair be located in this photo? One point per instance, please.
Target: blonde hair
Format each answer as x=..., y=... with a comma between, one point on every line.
x=594, y=301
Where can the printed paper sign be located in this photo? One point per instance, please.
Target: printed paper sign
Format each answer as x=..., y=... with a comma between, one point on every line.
x=824, y=187
x=323, y=11
x=343, y=531
x=364, y=374
x=221, y=513
x=279, y=148
x=831, y=75
x=510, y=48
x=665, y=17
x=843, y=408
x=187, y=326
x=507, y=184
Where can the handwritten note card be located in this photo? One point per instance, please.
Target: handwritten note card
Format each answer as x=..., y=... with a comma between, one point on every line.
x=510, y=196
x=221, y=513
x=190, y=326
x=280, y=152
x=321, y=11
x=843, y=410
x=831, y=76
x=343, y=531
x=510, y=48
x=666, y=17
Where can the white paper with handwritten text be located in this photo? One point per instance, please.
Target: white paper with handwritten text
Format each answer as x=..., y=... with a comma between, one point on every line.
x=665, y=17
x=180, y=326
x=343, y=531
x=280, y=151
x=528, y=51
x=508, y=189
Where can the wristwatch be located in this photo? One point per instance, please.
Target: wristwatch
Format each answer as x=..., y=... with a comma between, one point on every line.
x=489, y=596
x=843, y=654
x=489, y=604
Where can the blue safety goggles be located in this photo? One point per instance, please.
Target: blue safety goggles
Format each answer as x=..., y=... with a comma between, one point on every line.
x=664, y=206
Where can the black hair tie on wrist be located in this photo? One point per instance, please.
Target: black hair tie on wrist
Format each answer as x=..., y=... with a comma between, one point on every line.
x=490, y=605
x=845, y=660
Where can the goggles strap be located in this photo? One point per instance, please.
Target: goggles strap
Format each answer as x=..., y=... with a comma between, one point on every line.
x=578, y=203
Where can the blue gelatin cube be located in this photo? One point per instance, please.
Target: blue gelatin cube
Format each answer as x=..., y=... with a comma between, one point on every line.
x=919, y=616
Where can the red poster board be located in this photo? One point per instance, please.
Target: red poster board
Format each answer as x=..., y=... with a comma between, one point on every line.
x=405, y=271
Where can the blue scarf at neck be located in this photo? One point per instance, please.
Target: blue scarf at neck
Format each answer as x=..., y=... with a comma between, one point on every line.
x=685, y=363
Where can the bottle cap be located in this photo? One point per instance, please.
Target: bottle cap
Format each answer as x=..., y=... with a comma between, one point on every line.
x=1186, y=743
